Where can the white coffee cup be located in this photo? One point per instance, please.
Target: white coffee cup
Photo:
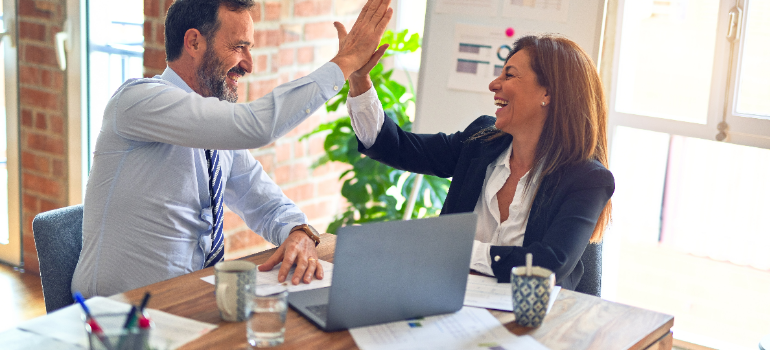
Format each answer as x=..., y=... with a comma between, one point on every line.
x=234, y=281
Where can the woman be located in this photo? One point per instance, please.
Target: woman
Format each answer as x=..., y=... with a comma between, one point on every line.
x=536, y=175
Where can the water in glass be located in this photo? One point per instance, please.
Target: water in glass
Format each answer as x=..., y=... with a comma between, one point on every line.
x=266, y=326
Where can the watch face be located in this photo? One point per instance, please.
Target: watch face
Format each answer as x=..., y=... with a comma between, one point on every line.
x=312, y=229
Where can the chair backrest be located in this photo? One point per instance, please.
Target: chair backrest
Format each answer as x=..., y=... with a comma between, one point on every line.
x=59, y=239
x=591, y=282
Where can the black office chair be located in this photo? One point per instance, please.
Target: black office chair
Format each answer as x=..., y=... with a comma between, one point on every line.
x=59, y=239
x=591, y=282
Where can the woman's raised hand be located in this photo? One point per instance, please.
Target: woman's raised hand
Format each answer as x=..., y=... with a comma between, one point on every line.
x=359, y=47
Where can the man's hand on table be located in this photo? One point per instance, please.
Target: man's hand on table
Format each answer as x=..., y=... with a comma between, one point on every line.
x=298, y=249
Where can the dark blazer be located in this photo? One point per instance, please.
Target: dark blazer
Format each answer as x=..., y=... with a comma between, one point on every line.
x=564, y=211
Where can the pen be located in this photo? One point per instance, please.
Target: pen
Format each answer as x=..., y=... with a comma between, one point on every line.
x=79, y=298
x=144, y=302
x=127, y=327
x=95, y=328
x=144, y=332
x=135, y=315
x=130, y=317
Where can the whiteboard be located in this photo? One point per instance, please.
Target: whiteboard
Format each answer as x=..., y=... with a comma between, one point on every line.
x=441, y=108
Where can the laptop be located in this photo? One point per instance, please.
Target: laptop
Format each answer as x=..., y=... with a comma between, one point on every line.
x=391, y=271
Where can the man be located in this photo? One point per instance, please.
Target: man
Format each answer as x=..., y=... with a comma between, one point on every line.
x=172, y=149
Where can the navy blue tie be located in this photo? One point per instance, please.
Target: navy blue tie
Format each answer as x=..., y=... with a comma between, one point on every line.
x=217, y=252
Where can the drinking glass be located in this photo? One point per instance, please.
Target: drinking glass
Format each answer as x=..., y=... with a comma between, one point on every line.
x=267, y=322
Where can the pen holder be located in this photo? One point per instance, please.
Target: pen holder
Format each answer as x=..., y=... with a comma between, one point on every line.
x=109, y=333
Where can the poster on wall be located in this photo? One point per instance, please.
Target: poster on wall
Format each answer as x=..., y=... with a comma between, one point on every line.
x=486, y=8
x=541, y=10
x=478, y=56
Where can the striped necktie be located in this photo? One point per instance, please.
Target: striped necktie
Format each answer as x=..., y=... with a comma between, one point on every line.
x=217, y=252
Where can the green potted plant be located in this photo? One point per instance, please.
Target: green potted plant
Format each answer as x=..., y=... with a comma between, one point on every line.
x=374, y=191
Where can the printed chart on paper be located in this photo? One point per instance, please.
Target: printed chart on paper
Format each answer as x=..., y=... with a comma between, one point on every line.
x=479, y=56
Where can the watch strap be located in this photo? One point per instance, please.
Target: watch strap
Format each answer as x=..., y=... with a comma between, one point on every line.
x=310, y=231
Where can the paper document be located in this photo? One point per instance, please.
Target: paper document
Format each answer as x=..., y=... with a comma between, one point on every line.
x=272, y=277
x=469, y=328
x=17, y=339
x=485, y=8
x=66, y=324
x=483, y=291
x=539, y=10
x=478, y=56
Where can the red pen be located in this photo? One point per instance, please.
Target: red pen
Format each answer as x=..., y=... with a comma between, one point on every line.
x=144, y=331
x=95, y=328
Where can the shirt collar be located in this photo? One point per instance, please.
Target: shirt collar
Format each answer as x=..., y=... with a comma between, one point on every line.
x=505, y=158
x=171, y=76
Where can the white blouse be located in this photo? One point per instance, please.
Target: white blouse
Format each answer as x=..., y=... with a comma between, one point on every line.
x=367, y=117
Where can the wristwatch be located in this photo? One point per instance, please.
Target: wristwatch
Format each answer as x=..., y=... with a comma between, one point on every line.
x=310, y=231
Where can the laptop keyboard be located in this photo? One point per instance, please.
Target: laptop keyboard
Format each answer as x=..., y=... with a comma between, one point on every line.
x=319, y=310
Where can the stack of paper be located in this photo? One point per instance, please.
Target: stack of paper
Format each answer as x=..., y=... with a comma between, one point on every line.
x=17, y=339
x=66, y=325
x=469, y=328
x=272, y=277
x=483, y=291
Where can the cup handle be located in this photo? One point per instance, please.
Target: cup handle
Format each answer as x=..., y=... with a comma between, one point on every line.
x=224, y=306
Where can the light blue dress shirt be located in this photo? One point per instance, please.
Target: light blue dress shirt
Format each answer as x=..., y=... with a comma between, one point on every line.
x=147, y=213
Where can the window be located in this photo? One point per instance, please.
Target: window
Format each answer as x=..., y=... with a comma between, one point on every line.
x=666, y=59
x=115, y=54
x=752, y=76
x=10, y=215
x=676, y=70
x=411, y=16
x=688, y=230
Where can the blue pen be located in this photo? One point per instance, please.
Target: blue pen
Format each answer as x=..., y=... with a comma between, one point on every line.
x=95, y=328
x=79, y=298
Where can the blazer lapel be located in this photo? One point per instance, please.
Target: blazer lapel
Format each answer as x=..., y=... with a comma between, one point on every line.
x=472, y=180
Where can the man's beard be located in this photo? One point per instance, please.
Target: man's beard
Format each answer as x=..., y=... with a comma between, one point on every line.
x=212, y=82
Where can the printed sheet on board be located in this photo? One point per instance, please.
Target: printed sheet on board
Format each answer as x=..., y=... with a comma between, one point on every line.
x=479, y=56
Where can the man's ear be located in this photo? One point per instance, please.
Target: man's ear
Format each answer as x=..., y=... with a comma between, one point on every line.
x=194, y=43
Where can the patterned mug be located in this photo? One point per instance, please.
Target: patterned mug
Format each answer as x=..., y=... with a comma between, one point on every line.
x=234, y=281
x=531, y=294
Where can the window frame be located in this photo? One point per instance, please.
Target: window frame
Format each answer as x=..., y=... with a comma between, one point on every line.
x=745, y=131
x=12, y=252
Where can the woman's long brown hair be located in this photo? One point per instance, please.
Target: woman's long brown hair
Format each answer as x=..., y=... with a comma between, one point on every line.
x=575, y=129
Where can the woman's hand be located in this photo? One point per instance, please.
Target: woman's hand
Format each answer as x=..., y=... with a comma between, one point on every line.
x=363, y=37
x=359, y=80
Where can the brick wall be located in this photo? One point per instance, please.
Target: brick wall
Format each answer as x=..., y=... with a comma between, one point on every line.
x=292, y=38
x=43, y=105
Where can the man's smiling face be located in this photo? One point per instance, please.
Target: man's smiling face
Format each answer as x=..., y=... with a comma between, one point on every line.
x=227, y=57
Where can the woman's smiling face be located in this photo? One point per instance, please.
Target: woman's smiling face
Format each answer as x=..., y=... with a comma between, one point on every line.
x=518, y=95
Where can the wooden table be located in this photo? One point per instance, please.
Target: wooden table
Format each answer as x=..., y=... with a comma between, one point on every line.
x=577, y=321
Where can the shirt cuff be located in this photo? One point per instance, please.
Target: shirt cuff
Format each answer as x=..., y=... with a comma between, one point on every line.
x=286, y=230
x=330, y=78
x=480, y=259
x=366, y=116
